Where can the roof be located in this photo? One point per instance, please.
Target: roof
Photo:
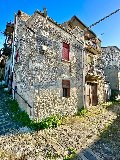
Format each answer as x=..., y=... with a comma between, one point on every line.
x=53, y=21
x=23, y=15
x=111, y=46
x=27, y=18
x=85, y=26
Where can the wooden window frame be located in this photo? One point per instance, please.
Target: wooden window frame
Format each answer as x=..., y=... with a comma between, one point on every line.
x=63, y=52
x=66, y=86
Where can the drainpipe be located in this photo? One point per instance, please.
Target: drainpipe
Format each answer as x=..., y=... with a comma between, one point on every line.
x=83, y=67
x=13, y=52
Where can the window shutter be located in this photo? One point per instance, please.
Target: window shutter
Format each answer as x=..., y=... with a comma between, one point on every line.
x=65, y=83
x=65, y=51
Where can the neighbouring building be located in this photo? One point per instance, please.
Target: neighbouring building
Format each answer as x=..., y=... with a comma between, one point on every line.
x=94, y=79
x=54, y=66
x=8, y=45
x=2, y=64
x=110, y=63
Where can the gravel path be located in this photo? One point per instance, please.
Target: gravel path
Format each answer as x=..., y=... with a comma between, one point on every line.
x=84, y=134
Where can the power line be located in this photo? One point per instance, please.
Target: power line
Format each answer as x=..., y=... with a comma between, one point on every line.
x=103, y=19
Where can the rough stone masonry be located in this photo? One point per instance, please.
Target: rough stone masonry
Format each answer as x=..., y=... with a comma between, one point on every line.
x=39, y=72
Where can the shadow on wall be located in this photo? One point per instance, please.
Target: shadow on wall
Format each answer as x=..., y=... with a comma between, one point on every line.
x=107, y=147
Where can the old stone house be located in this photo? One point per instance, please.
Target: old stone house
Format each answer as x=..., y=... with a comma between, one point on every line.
x=2, y=65
x=94, y=79
x=110, y=63
x=54, y=65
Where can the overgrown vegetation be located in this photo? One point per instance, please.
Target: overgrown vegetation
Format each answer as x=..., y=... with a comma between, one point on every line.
x=71, y=154
x=81, y=112
x=2, y=63
x=7, y=50
x=50, y=122
x=110, y=104
x=114, y=94
x=17, y=114
x=22, y=117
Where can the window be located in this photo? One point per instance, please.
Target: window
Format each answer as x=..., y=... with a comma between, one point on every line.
x=64, y=92
x=65, y=51
x=66, y=88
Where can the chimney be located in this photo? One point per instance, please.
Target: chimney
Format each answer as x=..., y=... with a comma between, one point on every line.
x=45, y=12
x=19, y=13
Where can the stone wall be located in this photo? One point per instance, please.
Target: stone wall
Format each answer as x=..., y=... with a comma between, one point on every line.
x=111, y=73
x=101, y=91
x=1, y=74
x=110, y=63
x=23, y=73
x=39, y=74
x=2, y=66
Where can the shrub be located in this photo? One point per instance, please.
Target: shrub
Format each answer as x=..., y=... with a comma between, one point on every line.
x=71, y=154
x=17, y=114
x=49, y=122
x=81, y=112
x=13, y=105
x=23, y=118
x=114, y=94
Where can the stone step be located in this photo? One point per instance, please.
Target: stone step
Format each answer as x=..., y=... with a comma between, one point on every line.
x=4, y=122
x=4, y=109
x=88, y=153
x=81, y=157
x=3, y=116
x=8, y=126
x=1, y=112
x=6, y=118
x=8, y=131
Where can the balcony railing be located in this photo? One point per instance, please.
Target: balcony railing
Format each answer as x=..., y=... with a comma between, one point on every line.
x=93, y=46
x=94, y=71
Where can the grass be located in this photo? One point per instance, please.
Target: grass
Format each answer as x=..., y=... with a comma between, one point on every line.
x=21, y=116
x=50, y=122
x=111, y=131
x=71, y=154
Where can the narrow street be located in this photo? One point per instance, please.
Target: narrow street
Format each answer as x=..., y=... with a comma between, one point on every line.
x=88, y=135
x=60, y=80
x=7, y=126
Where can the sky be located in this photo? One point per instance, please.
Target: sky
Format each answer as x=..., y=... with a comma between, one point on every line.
x=88, y=11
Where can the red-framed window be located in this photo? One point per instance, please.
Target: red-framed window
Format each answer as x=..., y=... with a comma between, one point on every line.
x=66, y=51
x=66, y=88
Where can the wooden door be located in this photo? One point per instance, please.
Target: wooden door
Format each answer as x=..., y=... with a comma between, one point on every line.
x=94, y=94
x=88, y=97
x=91, y=94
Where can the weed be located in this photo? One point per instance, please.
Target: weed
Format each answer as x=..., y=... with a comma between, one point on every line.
x=71, y=154
x=49, y=122
x=18, y=115
x=81, y=112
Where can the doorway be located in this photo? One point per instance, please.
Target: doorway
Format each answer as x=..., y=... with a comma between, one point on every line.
x=91, y=94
